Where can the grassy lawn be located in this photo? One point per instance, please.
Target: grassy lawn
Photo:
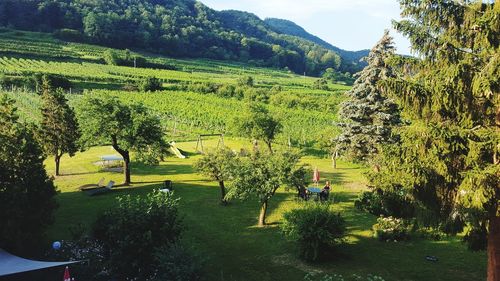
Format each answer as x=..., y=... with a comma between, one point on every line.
x=235, y=249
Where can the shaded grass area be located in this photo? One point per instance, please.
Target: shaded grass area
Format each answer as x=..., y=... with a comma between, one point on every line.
x=235, y=249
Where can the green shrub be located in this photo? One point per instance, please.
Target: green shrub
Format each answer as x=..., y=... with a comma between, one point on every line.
x=386, y=203
x=132, y=232
x=245, y=81
x=69, y=35
x=316, y=229
x=391, y=229
x=176, y=263
x=111, y=57
x=54, y=81
x=149, y=84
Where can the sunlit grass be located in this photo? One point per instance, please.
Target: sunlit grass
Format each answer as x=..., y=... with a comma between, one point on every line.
x=235, y=249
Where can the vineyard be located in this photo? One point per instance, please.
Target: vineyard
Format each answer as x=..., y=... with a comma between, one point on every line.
x=305, y=112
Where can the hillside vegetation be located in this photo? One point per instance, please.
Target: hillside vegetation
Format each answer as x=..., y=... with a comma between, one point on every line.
x=197, y=96
x=178, y=28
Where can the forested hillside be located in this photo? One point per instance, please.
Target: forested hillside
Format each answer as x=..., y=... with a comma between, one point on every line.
x=350, y=59
x=178, y=28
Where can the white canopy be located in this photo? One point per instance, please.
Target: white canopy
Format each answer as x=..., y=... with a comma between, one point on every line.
x=10, y=264
x=111, y=158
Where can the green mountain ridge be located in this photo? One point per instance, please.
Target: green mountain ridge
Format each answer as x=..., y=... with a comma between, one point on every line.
x=176, y=28
x=284, y=26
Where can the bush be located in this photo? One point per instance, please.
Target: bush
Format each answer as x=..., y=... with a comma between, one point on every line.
x=391, y=229
x=245, y=81
x=54, y=81
x=137, y=228
x=111, y=57
x=85, y=249
x=175, y=263
x=315, y=227
x=69, y=35
x=149, y=84
x=386, y=203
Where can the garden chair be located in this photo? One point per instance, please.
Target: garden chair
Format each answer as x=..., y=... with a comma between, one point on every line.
x=101, y=190
x=92, y=186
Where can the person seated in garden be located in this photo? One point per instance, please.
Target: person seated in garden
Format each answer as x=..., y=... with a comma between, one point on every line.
x=325, y=192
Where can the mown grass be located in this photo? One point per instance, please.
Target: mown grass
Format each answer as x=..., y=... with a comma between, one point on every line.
x=235, y=249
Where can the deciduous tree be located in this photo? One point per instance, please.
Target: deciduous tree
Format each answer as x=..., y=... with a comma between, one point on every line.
x=128, y=127
x=259, y=124
x=219, y=166
x=262, y=174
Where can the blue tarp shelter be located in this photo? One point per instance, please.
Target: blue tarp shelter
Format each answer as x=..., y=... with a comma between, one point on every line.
x=10, y=264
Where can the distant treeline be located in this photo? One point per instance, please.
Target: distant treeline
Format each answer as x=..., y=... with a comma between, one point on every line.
x=178, y=28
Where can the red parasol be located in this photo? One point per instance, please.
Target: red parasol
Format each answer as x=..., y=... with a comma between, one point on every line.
x=316, y=176
x=66, y=274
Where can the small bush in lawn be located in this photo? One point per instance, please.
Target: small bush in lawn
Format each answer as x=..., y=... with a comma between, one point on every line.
x=149, y=84
x=132, y=232
x=391, y=229
x=386, y=203
x=315, y=227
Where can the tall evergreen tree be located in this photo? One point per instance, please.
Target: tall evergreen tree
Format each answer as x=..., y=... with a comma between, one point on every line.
x=26, y=192
x=59, y=129
x=369, y=115
x=449, y=157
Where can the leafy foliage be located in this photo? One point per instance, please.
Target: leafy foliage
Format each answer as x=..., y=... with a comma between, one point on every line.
x=261, y=174
x=59, y=130
x=391, y=229
x=448, y=157
x=27, y=194
x=132, y=232
x=128, y=128
x=149, y=84
x=218, y=165
x=176, y=263
x=315, y=227
x=258, y=124
x=171, y=27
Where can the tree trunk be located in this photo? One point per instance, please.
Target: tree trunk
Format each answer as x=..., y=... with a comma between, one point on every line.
x=494, y=249
x=58, y=161
x=126, y=160
x=269, y=146
x=255, y=146
x=126, y=168
x=334, y=160
x=222, y=193
x=262, y=216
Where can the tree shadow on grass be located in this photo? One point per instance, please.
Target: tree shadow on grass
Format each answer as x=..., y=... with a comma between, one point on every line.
x=163, y=169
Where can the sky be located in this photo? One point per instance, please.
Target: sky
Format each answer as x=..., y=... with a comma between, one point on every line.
x=348, y=24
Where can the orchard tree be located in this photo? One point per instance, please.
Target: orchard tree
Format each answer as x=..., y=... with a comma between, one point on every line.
x=59, y=131
x=262, y=174
x=219, y=166
x=369, y=115
x=27, y=194
x=450, y=152
x=259, y=124
x=128, y=127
